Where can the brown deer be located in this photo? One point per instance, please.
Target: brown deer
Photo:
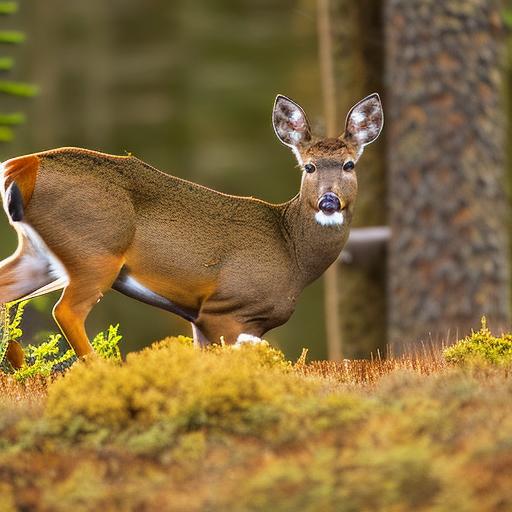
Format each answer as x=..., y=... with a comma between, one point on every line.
x=232, y=266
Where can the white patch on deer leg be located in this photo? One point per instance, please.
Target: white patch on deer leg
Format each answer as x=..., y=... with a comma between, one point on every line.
x=31, y=265
x=335, y=219
x=200, y=340
x=43, y=253
x=244, y=338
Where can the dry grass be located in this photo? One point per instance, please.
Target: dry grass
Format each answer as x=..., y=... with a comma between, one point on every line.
x=364, y=373
x=33, y=392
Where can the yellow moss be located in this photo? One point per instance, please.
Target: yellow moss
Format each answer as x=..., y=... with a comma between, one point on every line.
x=175, y=384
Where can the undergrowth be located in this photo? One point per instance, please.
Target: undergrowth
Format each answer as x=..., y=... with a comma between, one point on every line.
x=50, y=356
x=481, y=347
x=176, y=428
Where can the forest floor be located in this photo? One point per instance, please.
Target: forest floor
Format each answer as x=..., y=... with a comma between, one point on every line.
x=173, y=428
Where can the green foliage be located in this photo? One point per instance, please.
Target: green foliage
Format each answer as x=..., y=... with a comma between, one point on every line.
x=6, y=63
x=7, y=121
x=21, y=89
x=14, y=325
x=481, y=347
x=42, y=359
x=18, y=88
x=11, y=119
x=8, y=7
x=12, y=36
x=106, y=344
x=10, y=329
x=47, y=357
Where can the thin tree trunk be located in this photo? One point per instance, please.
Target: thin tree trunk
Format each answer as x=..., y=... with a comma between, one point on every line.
x=359, y=58
x=445, y=126
x=331, y=277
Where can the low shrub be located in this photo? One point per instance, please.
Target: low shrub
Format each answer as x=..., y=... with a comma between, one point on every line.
x=172, y=389
x=481, y=347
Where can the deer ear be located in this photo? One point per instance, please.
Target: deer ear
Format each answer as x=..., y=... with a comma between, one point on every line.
x=290, y=122
x=364, y=121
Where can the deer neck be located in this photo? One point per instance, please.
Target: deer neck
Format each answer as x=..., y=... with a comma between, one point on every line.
x=314, y=247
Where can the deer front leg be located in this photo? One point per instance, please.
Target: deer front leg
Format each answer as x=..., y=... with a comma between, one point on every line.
x=85, y=290
x=217, y=328
x=200, y=340
x=70, y=314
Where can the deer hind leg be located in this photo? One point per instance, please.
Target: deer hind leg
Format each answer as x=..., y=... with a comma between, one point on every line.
x=31, y=271
x=87, y=283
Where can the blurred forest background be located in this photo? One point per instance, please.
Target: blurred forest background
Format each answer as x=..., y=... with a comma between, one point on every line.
x=188, y=87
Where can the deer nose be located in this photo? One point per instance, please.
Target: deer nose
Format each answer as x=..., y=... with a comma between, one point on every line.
x=329, y=203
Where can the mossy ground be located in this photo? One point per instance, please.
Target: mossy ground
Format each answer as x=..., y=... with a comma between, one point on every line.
x=174, y=428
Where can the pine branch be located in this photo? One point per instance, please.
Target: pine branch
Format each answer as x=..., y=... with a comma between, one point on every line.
x=6, y=63
x=6, y=134
x=18, y=88
x=13, y=119
x=8, y=7
x=12, y=36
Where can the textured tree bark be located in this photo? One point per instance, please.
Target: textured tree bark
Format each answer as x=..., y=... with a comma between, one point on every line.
x=359, y=59
x=445, y=126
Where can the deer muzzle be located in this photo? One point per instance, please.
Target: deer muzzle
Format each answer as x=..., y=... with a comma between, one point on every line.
x=329, y=203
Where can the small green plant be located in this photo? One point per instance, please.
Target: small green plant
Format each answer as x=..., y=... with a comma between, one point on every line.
x=107, y=344
x=52, y=355
x=481, y=346
x=10, y=329
x=42, y=359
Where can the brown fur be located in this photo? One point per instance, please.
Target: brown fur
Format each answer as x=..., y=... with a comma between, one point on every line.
x=23, y=171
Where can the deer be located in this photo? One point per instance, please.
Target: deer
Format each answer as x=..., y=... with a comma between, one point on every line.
x=232, y=266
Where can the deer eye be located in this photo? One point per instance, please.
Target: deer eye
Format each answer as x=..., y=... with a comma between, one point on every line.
x=310, y=168
x=348, y=166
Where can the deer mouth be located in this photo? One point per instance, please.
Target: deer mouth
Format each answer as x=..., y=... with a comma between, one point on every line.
x=330, y=211
x=329, y=204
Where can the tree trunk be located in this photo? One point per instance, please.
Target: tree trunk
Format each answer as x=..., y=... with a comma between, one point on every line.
x=445, y=128
x=359, y=58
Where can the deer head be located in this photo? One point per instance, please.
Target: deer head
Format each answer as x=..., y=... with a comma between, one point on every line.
x=329, y=183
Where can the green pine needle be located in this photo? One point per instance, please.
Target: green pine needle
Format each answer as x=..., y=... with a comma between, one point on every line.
x=12, y=36
x=6, y=134
x=18, y=88
x=6, y=63
x=8, y=7
x=12, y=119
